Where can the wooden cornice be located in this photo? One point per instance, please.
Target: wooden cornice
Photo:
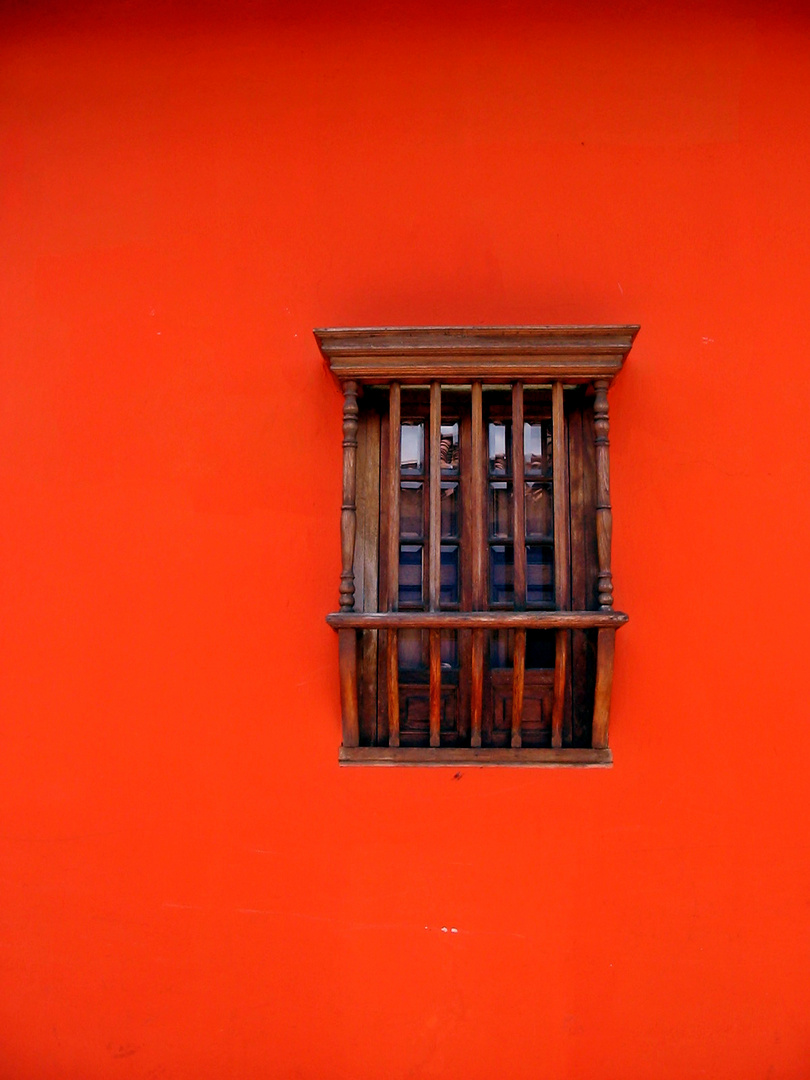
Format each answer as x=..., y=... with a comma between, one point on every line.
x=462, y=354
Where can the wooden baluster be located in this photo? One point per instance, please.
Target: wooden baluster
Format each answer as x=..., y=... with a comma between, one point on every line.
x=604, y=514
x=347, y=639
x=604, y=528
x=518, y=681
x=393, y=484
x=347, y=660
x=519, y=538
x=477, y=495
x=561, y=556
x=434, y=561
x=604, y=684
x=348, y=511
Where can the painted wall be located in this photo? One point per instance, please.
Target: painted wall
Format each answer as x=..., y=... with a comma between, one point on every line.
x=191, y=888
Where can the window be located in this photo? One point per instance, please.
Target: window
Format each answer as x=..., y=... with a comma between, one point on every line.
x=476, y=618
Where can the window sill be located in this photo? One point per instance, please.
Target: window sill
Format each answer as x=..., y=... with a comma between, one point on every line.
x=455, y=756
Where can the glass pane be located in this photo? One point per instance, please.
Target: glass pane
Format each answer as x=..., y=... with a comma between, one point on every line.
x=449, y=503
x=539, y=510
x=539, y=573
x=501, y=574
x=411, y=648
x=500, y=449
x=412, y=447
x=449, y=649
x=448, y=576
x=410, y=574
x=411, y=517
x=449, y=451
x=500, y=509
x=537, y=448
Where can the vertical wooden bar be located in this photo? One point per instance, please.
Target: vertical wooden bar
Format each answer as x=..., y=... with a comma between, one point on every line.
x=348, y=510
x=518, y=679
x=434, y=561
x=562, y=584
x=478, y=564
x=392, y=687
x=347, y=656
x=435, y=687
x=347, y=639
x=435, y=495
x=393, y=488
x=518, y=497
x=606, y=640
x=604, y=514
x=519, y=538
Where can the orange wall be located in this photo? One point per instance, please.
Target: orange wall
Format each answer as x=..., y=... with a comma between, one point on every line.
x=191, y=888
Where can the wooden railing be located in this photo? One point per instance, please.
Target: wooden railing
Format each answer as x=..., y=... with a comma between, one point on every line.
x=348, y=624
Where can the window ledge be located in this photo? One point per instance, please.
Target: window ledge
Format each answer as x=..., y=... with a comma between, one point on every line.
x=456, y=756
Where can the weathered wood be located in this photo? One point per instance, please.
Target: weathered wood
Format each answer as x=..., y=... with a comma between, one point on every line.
x=604, y=515
x=471, y=620
x=435, y=495
x=435, y=687
x=392, y=686
x=562, y=574
x=581, y=699
x=562, y=585
x=560, y=674
x=518, y=498
x=476, y=688
x=533, y=354
x=392, y=482
x=604, y=684
x=348, y=510
x=347, y=658
x=518, y=680
x=366, y=565
x=457, y=756
x=478, y=492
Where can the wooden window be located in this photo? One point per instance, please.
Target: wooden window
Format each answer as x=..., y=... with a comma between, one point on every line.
x=476, y=618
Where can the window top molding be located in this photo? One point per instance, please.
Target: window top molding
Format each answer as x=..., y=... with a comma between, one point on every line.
x=459, y=354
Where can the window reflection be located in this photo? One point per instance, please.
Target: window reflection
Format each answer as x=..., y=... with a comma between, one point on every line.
x=449, y=448
x=537, y=443
x=412, y=447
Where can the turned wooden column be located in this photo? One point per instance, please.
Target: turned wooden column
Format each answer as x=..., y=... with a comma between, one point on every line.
x=604, y=515
x=604, y=528
x=348, y=511
x=347, y=639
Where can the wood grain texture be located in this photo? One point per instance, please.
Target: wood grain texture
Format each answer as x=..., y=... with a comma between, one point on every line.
x=604, y=514
x=470, y=620
x=478, y=493
x=456, y=756
x=604, y=685
x=348, y=511
x=392, y=482
x=476, y=688
x=533, y=354
x=347, y=658
x=518, y=682
x=562, y=584
x=560, y=677
x=366, y=564
x=392, y=686
x=518, y=498
x=435, y=687
x=434, y=497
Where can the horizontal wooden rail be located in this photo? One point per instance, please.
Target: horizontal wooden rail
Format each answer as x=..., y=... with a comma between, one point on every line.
x=473, y=620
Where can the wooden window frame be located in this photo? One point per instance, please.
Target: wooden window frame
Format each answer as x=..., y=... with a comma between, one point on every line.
x=568, y=364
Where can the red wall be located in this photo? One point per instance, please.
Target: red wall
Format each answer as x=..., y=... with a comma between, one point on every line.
x=191, y=887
